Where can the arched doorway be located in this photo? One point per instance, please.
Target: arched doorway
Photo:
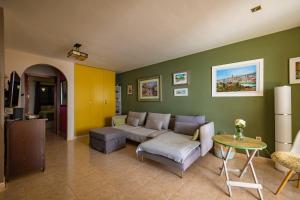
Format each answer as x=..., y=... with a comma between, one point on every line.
x=45, y=93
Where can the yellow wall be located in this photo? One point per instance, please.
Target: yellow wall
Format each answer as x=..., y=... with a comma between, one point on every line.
x=94, y=98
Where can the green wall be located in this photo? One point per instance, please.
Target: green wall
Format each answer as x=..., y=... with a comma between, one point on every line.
x=276, y=49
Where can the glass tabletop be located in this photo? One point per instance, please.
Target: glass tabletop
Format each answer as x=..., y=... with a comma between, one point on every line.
x=245, y=143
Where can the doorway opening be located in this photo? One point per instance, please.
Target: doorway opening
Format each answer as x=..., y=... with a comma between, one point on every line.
x=45, y=94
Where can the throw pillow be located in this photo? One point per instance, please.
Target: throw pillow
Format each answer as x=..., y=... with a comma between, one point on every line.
x=186, y=128
x=196, y=135
x=140, y=115
x=132, y=121
x=119, y=121
x=154, y=124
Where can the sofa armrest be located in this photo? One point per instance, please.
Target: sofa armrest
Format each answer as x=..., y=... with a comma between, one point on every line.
x=207, y=131
x=118, y=120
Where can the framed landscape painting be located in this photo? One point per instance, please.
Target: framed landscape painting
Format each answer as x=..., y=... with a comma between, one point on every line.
x=181, y=92
x=295, y=70
x=149, y=89
x=238, y=79
x=180, y=78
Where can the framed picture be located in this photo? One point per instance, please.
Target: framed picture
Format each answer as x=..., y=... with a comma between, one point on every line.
x=63, y=93
x=238, y=79
x=180, y=78
x=181, y=92
x=294, y=70
x=129, y=89
x=149, y=89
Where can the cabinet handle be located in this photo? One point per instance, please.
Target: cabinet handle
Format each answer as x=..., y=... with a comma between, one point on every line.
x=105, y=102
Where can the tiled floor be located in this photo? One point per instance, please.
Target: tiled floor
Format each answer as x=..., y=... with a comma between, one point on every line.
x=74, y=171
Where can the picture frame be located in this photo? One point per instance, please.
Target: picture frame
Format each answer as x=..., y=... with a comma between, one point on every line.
x=129, y=89
x=238, y=79
x=294, y=70
x=150, y=89
x=181, y=92
x=181, y=78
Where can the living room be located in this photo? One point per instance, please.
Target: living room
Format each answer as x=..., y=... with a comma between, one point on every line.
x=170, y=95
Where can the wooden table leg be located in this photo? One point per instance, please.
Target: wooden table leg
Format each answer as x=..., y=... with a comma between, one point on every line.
x=298, y=185
x=285, y=180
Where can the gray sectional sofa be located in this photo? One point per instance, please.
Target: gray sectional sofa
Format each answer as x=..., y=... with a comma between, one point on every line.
x=165, y=139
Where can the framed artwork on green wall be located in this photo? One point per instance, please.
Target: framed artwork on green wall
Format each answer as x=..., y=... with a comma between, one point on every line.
x=238, y=79
x=295, y=70
x=129, y=89
x=180, y=78
x=181, y=92
x=150, y=89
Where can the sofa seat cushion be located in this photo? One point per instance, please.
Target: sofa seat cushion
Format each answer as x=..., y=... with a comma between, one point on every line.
x=142, y=134
x=139, y=134
x=126, y=127
x=171, y=145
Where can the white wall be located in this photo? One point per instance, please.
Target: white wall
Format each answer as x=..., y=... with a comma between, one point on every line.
x=42, y=70
x=19, y=61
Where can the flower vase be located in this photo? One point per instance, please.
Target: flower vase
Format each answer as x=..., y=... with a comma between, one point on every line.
x=239, y=133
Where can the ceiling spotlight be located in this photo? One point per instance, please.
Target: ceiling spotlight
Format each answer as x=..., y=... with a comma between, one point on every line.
x=256, y=8
x=75, y=53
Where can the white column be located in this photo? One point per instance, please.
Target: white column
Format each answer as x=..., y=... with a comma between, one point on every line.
x=283, y=120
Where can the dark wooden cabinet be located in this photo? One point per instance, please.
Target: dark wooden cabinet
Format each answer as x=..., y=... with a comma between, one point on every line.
x=25, y=147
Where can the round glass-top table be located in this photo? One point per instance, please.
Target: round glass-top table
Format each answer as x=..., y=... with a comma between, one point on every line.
x=248, y=145
x=244, y=143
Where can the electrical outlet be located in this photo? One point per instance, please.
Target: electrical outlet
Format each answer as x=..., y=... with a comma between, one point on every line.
x=258, y=138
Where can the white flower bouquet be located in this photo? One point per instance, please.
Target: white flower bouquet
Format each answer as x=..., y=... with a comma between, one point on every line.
x=240, y=124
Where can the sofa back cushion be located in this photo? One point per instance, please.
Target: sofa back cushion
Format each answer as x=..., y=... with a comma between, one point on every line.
x=188, y=124
x=186, y=128
x=133, y=121
x=164, y=118
x=154, y=124
x=198, y=119
x=140, y=115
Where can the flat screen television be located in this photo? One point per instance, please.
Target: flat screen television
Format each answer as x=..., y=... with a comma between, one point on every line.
x=12, y=99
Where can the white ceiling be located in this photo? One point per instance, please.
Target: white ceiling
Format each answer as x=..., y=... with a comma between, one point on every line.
x=122, y=35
